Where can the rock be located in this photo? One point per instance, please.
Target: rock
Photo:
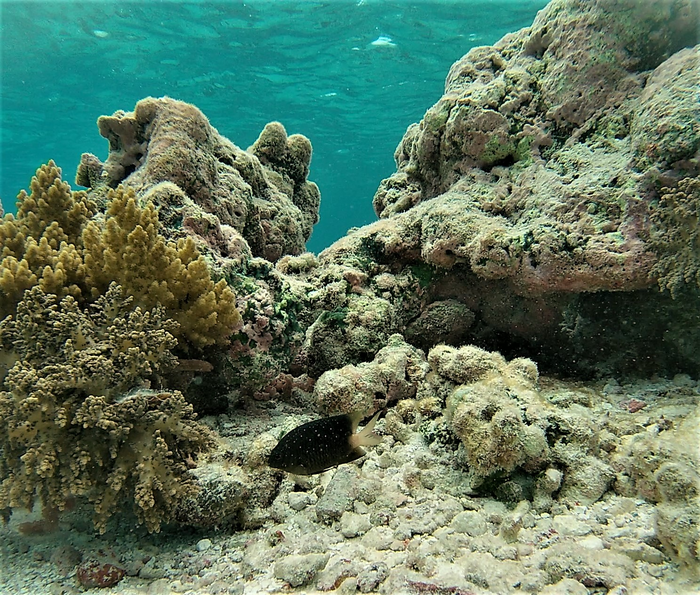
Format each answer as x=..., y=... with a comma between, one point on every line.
x=502, y=200
x=339, y=494
x=95, y=573
x=378, y=538
x=592, y=542
x=353, y=525
x=298, y=500
x=66, y=558
x=203, y=545
x=470, y=522
x=299, y=570
x=216, y=189
x=566, y=586
x=592, y=568
x=152, y=570
x=370, y=577
x=568, y=524
x=223, y=493
x=336, y=573
x=513, y=522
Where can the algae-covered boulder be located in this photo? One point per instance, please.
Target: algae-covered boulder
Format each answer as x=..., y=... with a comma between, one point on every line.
x=557, y=216
x=513, y=441
x=496, y=414
x=225, y=193
x=395, y=373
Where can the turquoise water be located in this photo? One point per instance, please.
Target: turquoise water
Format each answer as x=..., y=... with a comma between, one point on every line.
x=311, y=65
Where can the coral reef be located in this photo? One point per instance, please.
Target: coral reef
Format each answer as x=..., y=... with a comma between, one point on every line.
x=665, y=132
x=57, y=243
x=506, y=428
x=529, y=220
x=42, y=243
x=676, y=516
x=68, y=425
x=534, y=200
x=444, y=321
x=657, y=465
x=222, y=192
x=395, y=373
x=95, y=308
x=274, y=316
x=129, y=250
x=676, y=235
x=512, y=441
x=242, y=209
x=488, y=418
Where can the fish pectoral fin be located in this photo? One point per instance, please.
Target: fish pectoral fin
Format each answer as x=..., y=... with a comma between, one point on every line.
x=355, y=454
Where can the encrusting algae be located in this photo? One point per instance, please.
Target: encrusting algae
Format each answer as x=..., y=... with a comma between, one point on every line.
x=95, y=310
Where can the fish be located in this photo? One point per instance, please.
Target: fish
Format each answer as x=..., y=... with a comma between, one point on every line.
x=317, y=446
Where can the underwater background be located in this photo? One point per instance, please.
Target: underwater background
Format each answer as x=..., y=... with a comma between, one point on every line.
x=489, y=387
x=350, y=75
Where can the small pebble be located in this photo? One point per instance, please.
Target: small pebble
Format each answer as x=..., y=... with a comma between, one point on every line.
x=591, y=542
x=203, y=545
x=470, y=522
x=568, y=524
x=298, y=500
x=353, y=524
x=299, y=570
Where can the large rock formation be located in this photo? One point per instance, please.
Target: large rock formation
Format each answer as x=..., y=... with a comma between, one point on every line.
x=552, y=191
x=167, y=151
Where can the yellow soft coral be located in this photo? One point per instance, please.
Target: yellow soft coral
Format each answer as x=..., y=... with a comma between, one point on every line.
x=43, y=243
x=52, y=202
x=96, y=304
x=56, y=242
x=129, y=250
x=67, y=425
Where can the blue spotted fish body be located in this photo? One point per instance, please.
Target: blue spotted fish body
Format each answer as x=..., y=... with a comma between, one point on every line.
x=317, y=446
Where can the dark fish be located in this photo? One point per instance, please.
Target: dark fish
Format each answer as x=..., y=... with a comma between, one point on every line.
x=319, y=445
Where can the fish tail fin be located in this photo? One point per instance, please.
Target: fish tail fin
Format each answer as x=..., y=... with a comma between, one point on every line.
x=366, y=436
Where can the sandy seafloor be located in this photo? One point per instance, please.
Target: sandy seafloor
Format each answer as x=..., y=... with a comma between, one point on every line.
x=397, y=521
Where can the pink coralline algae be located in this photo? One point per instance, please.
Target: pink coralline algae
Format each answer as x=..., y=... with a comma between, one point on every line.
x=527, y=191
x=168, y=152
x=93, y=573
x=633, y=405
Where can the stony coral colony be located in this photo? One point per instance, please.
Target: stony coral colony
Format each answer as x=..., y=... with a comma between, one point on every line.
x=95, y=307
